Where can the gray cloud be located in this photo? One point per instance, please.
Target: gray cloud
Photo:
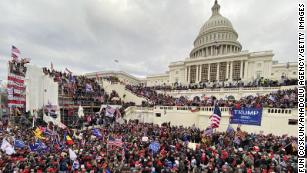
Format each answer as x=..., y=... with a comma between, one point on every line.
x=145, y=36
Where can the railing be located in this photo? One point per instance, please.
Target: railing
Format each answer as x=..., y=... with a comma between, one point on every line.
x=190, y=108
x=267, y=111
x=138, y=108
x=278, y=111
x=225, y=89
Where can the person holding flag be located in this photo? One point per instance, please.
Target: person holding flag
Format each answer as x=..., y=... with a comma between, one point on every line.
x=216, y=117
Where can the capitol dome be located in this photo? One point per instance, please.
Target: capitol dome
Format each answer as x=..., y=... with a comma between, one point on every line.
x=217, y=36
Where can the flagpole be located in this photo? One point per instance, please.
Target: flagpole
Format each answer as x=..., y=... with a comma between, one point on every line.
x=33, y=121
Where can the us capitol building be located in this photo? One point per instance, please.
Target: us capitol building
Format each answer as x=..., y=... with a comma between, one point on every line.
x=217, y=56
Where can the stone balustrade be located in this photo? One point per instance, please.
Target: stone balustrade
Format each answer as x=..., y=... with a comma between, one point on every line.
x=266, y=111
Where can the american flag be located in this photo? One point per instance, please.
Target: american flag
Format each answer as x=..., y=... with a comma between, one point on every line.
x=115, y=141
x=15, y=53
x=15, y=50
x=216, y=117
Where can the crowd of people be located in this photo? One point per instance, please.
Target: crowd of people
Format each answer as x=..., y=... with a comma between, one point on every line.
x=226, y=84
x=95, y=150
x=17, y=67
x=83, y=90
x=278, y=99
x=99, y=118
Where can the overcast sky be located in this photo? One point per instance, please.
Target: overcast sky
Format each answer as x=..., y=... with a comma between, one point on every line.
x=143, y=35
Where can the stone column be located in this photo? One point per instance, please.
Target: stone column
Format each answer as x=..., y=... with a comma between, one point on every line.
x=200, y=68
x=227, y=69
x=196, y=77
x=245, y=70
x=208, y=72
x=189, y=69
x=185, y=74
x=231, y=69
x=218, y=72
x=241, y=70
x=221, y=50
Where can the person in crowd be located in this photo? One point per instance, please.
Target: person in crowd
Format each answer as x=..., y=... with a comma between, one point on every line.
x=276, y=99
x=215, y=152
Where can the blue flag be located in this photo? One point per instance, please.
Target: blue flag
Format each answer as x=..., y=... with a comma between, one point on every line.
x=38, y=146
x=169, y=164
x=208, y=131
x=33, y=147
x=97, y=133
x=19, y=144
x=185, y=137
x=230, y=129
x=154, y=146
x=71, y=79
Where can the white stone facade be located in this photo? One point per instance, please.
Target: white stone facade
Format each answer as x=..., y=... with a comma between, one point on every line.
x=217, y=56
x=154, y=80
x=122, y=76
x=288, y=70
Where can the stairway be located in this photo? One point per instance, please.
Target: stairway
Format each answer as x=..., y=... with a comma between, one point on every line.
x=124, y=94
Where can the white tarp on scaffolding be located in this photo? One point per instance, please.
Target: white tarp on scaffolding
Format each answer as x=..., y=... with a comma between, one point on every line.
x=40, y=89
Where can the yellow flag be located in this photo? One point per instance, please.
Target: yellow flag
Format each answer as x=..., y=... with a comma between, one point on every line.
x=38, y=133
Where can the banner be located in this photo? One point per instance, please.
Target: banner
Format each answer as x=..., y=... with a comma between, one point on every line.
x=16, y=90
x=249, y=116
